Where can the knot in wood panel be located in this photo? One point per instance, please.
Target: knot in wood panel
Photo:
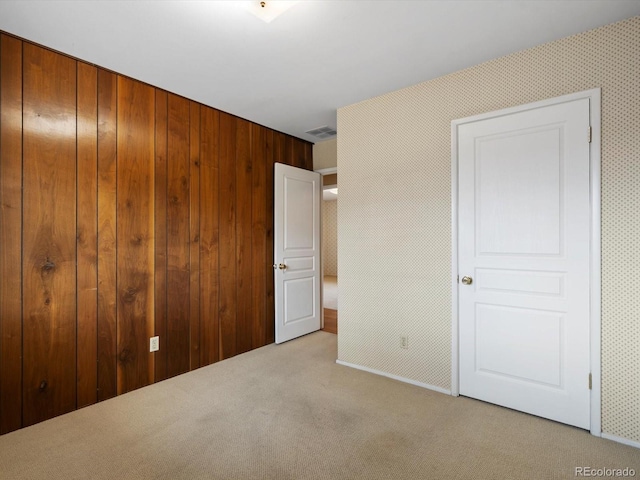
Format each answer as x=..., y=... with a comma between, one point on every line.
x=129, y=295
x=137, y=240
x=48, y=265
x=126, y=355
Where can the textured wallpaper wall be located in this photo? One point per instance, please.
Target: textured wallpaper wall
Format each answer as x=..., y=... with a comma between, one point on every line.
x=394, y=157
x=330, y=237
x=325, y=154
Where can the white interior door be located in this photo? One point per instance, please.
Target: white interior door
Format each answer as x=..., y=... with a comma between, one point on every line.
x=297, y=199
x=523, y=243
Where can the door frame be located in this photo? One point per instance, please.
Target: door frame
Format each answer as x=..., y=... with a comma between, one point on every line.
x=594, y=95
x=323, y=172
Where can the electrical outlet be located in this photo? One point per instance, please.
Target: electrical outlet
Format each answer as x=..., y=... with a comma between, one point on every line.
x=404, y=342
x=154, y=344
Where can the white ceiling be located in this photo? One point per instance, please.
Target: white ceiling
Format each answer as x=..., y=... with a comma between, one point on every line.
x=293, y=73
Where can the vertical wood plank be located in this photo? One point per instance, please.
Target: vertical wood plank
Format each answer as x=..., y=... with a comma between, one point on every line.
x=227, y=236
x=87, y=235
x=209, y=266
x=308, y=156
x=10, y=234
x=289, y=151
x=160, y=280
x=243, y=235
x=279, y=147
x=178, y=325
x=194, y=224
x=49, y=229
x=299, y=152
x=107, y=305
x=135, y=255
x=259, y=266
x=275, y=147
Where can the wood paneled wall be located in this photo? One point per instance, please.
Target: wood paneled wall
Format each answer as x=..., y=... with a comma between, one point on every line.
x=125, y=212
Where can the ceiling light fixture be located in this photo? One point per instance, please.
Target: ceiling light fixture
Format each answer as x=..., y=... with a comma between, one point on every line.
x=332, y=190
x=268, y=10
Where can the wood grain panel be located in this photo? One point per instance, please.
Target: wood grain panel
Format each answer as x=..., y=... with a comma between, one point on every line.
x=107, y=305
x=142, y=213
x=160, y=227
x=289, y=151
x=259, y=266
x=209, y=279
x=87, y=235
x=331, y=179
x=194, y=224
x=49, y=229
x=276, y=157
x=330, y=321
x=299, y=153
x=178, y=244
x=227, y=236
x=279, y=147
x=135, y=256
x=308, y=156
x=243, y=235
x=10, y=234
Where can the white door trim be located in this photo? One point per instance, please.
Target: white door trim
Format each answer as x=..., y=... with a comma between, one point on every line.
x=327, y=171
x=595, y=253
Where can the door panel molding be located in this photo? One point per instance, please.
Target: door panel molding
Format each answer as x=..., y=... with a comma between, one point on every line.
x=594, y=96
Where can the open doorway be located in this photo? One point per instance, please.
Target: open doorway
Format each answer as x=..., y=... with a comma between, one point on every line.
x=330, y=252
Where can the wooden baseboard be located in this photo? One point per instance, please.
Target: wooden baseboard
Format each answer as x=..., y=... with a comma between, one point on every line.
x=330, y=321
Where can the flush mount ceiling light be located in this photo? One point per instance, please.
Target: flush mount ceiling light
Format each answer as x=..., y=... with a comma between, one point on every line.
x=268, y=10
x=332, y=190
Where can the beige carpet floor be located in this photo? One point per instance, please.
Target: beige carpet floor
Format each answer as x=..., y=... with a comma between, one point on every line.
x=330, y=292
x=289, y=412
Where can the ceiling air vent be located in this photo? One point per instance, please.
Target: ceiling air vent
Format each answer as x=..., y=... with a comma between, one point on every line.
x=322, y=132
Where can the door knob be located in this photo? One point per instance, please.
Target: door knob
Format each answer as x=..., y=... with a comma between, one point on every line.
x=467, y=280
x=282, y=266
